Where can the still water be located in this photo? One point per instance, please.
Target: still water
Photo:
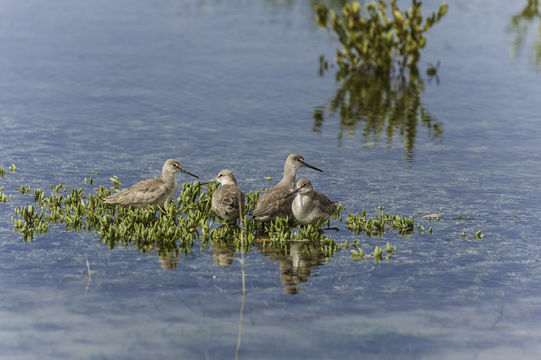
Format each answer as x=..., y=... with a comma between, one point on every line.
x=119, y=86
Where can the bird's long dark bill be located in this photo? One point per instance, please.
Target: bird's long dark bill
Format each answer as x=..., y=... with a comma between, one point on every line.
x=189, y=173
x=208, y=182
x=291, y=193
x=310, y=166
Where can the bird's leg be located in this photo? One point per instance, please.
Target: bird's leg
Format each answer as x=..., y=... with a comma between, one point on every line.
x=331, y=228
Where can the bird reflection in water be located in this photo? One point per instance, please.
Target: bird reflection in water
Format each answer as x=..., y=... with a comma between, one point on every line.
x=296, y=261
x=223, y=252
x=168, y=261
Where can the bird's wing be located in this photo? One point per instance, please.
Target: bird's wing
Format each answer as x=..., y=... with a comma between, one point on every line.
x=273, y=203
x=142, y=192
x=228, y=198
x=324, y=203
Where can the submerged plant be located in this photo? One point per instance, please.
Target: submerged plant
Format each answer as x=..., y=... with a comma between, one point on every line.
x=376, y=41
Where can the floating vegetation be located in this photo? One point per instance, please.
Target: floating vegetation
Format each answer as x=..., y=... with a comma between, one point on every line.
x=478, y=235
x=89, y=180
x=377, y=254
x=173, y=229
x=380, y=223
x=176, y=227
x=357, y=254
x=12, y=168
x=4, y=197
x=378, y=42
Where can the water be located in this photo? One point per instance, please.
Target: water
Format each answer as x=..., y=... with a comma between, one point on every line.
x=118, y=87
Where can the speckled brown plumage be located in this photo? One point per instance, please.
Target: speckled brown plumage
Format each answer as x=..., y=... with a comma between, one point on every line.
x=228, y=198
x=150, y=191
x=274, y=203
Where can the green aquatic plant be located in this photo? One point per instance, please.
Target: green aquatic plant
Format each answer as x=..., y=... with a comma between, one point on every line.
x=230, y=235
x=71, y=207
x=179, y=224
x=116, y=183
x=12, y=168
x=380, y=223
x=337, y=215
x=375, y=40
x=89, y=180
x=377, y=254
x=357, y=254
x=24, y=189
x=251, y=200
x=28, y=221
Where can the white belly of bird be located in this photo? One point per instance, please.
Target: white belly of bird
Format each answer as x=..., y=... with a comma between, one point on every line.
x=305, y=210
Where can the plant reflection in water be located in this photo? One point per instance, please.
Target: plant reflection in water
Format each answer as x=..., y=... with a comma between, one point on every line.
x=380, y=107
x=520, y=25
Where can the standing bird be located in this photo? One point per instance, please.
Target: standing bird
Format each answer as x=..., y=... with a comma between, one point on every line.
x=151, y=191
x=228, y=198
x=310, y=205
x=274, y=203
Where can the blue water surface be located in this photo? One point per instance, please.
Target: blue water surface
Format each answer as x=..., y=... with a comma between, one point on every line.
x=120, y=86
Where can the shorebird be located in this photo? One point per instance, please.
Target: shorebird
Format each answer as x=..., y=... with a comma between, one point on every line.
x=151, y=191
x=310, y=205
x=274, y=203
x=227, y=199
